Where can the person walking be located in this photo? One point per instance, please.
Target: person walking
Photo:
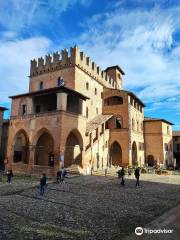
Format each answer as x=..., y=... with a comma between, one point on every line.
x=9, y=176
x=137, y=175
x=121, y=174
x=43, y=184
x=58, y=176
x=63, y=174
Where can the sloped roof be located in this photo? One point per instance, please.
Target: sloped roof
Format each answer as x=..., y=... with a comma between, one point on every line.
x=3, y=108
x=116, y=66
x=52, y=90
x=95, y=122
x=149, y=119
x=176, y=133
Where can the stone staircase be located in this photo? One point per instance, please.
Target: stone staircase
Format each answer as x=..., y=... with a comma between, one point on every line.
x=111, y=172
x=75, y=169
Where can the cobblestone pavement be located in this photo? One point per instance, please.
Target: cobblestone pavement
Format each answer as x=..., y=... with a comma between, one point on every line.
x=86, y=207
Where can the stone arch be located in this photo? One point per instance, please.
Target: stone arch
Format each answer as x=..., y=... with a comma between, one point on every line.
x=73, y=149
x=150, y=160
x=44, y=148
x=134, y=154
x=21, y=147
x=115, y=154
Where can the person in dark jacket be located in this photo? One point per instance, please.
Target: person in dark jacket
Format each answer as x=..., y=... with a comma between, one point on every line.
x=121, y=174
x=58, y=176
x=63, y=174
x=137, y=175
x=9, y=176
x=43, y=184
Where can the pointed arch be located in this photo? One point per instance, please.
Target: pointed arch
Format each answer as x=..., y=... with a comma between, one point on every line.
x=21, y=147
x=116, y=154
x=44, y=148
x=73, y=149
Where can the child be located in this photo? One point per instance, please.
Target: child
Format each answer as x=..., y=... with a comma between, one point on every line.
x=43, y=184
x=9, y=176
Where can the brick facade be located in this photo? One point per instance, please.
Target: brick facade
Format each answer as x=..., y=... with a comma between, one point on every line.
x=74, y=112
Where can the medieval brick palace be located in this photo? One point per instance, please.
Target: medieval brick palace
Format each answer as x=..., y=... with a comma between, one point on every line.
x=78, y=115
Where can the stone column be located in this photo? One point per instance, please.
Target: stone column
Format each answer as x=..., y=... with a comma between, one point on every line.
x=62, y=101
x=83, y=107
x=31, y=159
x=30, y=106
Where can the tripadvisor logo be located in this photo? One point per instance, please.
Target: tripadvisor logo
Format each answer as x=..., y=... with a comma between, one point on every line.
x=139, y=231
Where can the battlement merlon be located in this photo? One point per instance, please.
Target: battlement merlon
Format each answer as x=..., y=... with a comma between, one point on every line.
x=57, y=61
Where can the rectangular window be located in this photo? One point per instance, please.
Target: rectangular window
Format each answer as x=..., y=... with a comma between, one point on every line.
x=24, y=109
x=87, y=112
x=178, y=147
x=96, y=136
x=102, y=129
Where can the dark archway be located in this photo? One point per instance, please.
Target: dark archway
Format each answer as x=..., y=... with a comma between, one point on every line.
x=150, y=160
x=73, y=149
x=134, y=154
x=44, y=150
x=21, y=148
x=116, y=154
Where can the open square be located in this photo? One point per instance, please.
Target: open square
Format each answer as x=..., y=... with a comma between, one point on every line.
x=85, y=207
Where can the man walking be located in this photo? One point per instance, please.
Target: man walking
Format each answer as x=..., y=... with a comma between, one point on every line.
x=43, y=184
x=121, y=174
x=137, y=175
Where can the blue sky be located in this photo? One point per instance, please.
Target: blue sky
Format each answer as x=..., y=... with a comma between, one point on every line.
x=142, y=36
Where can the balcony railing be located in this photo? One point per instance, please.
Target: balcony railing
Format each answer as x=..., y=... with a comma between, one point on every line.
x=42, y=114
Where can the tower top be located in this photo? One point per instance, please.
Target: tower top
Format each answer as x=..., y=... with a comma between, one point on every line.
x=115, y=67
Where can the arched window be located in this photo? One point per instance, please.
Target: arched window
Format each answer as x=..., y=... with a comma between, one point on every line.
x=95, y=91
x=115, y=100
x=41, y=86
x=133, y=124
x=60, y=82
x=118, y=122
x=87, y=86
x=137, y=126
x=24, y=109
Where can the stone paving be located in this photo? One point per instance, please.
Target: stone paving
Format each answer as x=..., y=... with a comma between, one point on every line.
x=85, y=207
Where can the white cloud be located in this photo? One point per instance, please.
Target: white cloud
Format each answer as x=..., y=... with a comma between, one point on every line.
x=15, y=63
x=19, y=15
x=140, y=41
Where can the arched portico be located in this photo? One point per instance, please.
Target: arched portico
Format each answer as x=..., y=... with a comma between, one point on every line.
x=116, y=154
x=44, y=149
x=21, y=147
x=73, y=149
